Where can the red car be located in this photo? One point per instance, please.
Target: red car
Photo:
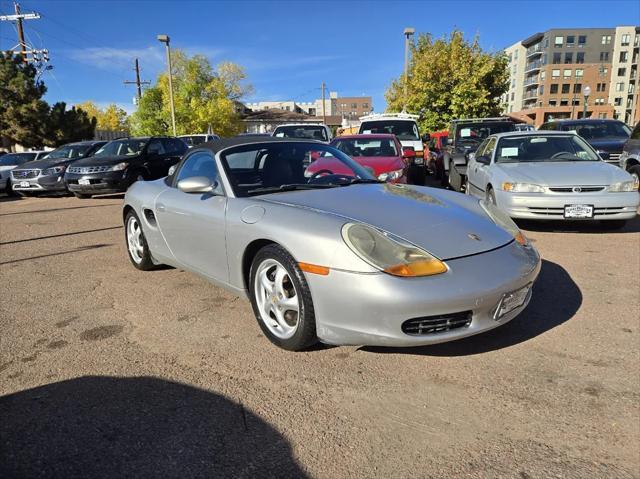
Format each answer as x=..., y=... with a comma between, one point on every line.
x=382, y=154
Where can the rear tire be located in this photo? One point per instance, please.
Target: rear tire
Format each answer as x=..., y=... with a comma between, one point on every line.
x=281, y=299
x=137, y=247
x=491, y=197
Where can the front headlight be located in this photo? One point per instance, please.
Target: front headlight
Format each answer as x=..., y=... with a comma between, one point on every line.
x=56, y=170
x=389, y=253
x=119, y=166
x=503, y=220
x=391, y=175
x=521, y=188
x=624, y=186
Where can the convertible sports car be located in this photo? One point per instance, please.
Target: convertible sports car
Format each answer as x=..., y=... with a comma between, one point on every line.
x=337, y=257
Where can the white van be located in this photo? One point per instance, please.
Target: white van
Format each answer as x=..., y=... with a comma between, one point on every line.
x=403, y=125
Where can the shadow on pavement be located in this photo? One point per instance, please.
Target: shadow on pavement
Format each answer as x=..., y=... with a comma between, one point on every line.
x=598, y=227
x=105, y=427
x=28, y=212
x=72, y=233
x=76, y=250
x=556, y=298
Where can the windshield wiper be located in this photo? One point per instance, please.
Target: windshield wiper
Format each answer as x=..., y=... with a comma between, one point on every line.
x=358, y=181
x=289, y=187
x=567, y=157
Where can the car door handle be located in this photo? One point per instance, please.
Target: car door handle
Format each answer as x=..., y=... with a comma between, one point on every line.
x=160, y=207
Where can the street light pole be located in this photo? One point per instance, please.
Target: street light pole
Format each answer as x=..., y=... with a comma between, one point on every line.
x=587, y=92
x=165, y=39
x=408, y=33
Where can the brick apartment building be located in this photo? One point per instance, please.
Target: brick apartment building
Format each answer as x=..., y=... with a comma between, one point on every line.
x=549, y=72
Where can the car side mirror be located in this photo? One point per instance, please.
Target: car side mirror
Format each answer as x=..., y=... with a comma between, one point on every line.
x=471, y=156
x=426, y=137
x=408, y=153
x=483, y=160
x=197, y=184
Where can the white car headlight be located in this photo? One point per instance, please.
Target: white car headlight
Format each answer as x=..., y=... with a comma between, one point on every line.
x=624, y=186
x=389, y=253
x=521, y=188
x=503, y=220
x=390, y=175
x=56, y=170
x=119, y=166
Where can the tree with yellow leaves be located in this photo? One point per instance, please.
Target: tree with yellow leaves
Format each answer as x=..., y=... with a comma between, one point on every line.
x=111, y=118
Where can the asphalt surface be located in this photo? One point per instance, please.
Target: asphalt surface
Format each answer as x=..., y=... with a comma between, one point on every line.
x=107, y=371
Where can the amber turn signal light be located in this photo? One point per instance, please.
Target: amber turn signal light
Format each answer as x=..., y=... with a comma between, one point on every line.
x=314, y=268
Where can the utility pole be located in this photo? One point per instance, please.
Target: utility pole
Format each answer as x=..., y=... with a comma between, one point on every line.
x=23, y=45
x=137, y=81
x=324, y=116
x=37, y=56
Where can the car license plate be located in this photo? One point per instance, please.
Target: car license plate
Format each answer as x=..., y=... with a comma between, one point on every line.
x=419, y=161
x=511, y=301
x=578, y=211
x=84, y=181
x=25, y=184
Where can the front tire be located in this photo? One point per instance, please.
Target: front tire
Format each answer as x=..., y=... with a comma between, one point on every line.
x=137, y=247
x=491, y=197
x=281, y=299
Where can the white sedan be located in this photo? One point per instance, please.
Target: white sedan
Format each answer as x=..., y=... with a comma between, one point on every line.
x=551, y=175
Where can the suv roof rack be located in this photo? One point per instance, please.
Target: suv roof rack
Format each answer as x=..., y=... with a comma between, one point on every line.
x=376, y=116
x=480, y=120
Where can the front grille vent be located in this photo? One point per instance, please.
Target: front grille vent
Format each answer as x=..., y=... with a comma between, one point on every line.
x=23, y=174
x=576, y=189
x=436, y=324
x=85, y=170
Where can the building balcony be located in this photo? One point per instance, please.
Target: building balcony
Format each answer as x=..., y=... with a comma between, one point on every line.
x=531, y=81
x=534, y=50
x=533, y=66
x=530, y=95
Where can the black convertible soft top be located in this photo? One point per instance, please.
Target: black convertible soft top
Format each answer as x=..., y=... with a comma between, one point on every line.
x=222, y=144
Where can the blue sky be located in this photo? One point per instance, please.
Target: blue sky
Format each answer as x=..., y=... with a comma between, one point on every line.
x=287, y=47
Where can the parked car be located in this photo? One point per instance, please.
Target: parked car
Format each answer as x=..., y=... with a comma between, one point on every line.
x=46, y=175
x=119, y=163
x=309, y=131
x=551, y=175
x=524, y=127
x=434, y=153
x=630, y=157
x=341, y=258
x=464, y=137
x=198, y=139
x=382, y=155
x=9, y=161
x=403, y=125
x=606, y=136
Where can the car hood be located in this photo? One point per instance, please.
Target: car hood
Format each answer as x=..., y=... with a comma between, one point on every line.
x=104, y=160
x=379, y=164
x=564, y=173
x=608, y=145
x=7, y=167
x=441, y=222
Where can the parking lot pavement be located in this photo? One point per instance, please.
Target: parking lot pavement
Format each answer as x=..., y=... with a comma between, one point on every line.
x=109, y=371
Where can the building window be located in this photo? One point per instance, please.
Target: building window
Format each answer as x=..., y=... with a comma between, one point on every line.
x=543, y=75
x=582, y=40
x=512, y=95
x=622, y=72
x=568, y=57
x=625, y=40
x=617, y=101
x=604, y=56
x=620, y=86
x=575, y=101
x=553, y=88
x=564, y=102
x=558, y=41
x=579, y=72
x=553, y=102
x=515, y=55
x=630, y=90
x=513, y=83
x=354, y=105
x=580, y=57
x=623, y=57
x=541, y=90
x=577, y=88
x=604, y=72
x=606, y=39
x=555, y=73
x=566, y=88
x=571, y=40
x=557, y=58
x=365, y=105
x=602, y=116
x=567, y=73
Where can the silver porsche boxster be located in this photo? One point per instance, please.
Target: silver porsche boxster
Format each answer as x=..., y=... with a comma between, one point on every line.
x=337, y=257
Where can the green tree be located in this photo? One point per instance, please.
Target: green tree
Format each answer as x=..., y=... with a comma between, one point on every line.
x=23, y=113
x=68, y=125
x=450, y=78
x=204, y=98
x=111, y=118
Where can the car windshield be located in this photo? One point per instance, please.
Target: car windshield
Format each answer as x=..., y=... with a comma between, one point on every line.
x=599, y=130
x=194, y=140
x=69, y=151
x=121, y=148
x=308, y=132
x=544, y=148
x=264, y=168
x=16, y=158
x=403, y=129
x=475, y=133
x=367, y=147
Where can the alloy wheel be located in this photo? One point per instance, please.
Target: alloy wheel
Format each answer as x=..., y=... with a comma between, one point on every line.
x=277, y=299
x=134, y=239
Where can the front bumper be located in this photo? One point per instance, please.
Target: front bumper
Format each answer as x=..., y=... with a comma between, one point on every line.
x=40, y=184
x=99, y=183
x=548, y=206
x=369, y=309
